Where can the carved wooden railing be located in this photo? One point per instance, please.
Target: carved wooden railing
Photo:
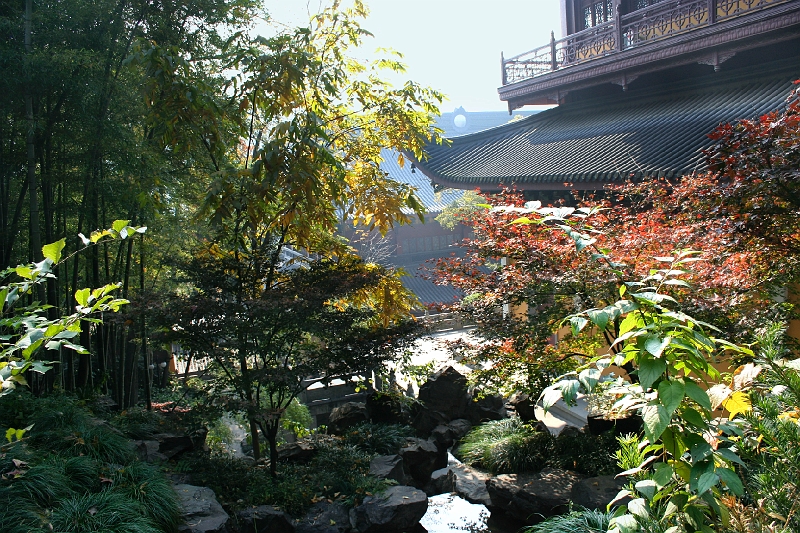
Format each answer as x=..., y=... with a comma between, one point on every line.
x=659, y=21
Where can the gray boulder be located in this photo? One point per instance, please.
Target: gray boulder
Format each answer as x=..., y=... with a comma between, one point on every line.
x=442, y=481
x=421, y=458
x=446, y=392
x=346, y=416
x=522, y=404
x=400, y=508
x=425, y=420
x=297, y=452
x=324, y=517
x=471, y=484
x=597, y=492
x=485, y=408
x=388, y=467
x=147, y=451
x=445, y=435
x=200, y=510
x=171, y=445
x=264, y=519
x=529, y=497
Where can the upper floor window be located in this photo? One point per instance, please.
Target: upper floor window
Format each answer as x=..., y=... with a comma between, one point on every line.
x=595, y=12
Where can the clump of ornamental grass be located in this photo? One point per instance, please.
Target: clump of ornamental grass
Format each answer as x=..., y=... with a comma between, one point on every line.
x=382, y=439
x=506, y=446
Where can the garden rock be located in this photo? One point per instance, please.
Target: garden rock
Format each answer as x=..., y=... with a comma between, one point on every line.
x=264, y=519
x=420, y=459
x=201, y=512
x=597, y=492
x=442, y=481
x=426, y=420
x=388, y=467
x=398, y=509
x=171, y=445
x=529, y=497
x=297, y=452
x=384, y=408
x=523, y=405
x=346, y=416
x=324, y=517
x=445, y=435
x=471, y=484
x=486, y=408
x=147, y=451
x=446, y=392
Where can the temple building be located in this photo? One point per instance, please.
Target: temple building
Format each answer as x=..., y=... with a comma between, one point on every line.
x=638, y=85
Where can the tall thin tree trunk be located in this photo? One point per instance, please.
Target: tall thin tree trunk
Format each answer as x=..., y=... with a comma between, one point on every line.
x=33, y=186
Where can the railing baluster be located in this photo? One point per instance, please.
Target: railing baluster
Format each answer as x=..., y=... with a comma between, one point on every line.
x=712, y=11
x=553, y=58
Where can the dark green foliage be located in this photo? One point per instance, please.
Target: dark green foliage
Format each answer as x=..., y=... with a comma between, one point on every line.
x=506, y=446
x=78, y=473
x=773, y=461
x=338, y=471
x=106, y=512
x=576, y=521
x=139, y=423
x=142, y=483
x=511, y=446
x=381, y=439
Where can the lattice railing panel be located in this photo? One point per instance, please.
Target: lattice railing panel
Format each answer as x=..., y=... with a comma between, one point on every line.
x=588, y=44
x=734, y=8
x=662, y=21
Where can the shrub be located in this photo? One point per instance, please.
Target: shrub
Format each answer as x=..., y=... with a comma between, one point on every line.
x=106, y=512
x=144, y=484
x=506, y=446
x=576, y=521
x=380, y=439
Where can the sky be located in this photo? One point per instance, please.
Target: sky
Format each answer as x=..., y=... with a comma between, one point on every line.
x=452, y=46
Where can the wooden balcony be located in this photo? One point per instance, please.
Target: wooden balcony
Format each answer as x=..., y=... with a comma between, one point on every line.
x=660, y=36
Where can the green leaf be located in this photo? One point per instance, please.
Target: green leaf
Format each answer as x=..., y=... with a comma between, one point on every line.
x=599, y=317
x=577, y=323
x=700, y=451
x=729, y=455
x=24, y=272
x=646, y=487
x=655, y=345
x=638, y=507
x=670, y=394
x=706, y=481
x=697, y=394
x=731, y=480
x=694, y=418
x=656, y=419
x=626, y=523
x=82, y=296
x=662, y=475
x=53, y=251
x=119, y=225
x=630, y=322
x=649, y=371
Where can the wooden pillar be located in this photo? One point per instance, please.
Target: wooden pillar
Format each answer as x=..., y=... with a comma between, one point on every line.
x=712, y=11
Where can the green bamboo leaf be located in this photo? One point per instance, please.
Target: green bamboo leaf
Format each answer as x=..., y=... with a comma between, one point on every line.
x=52, y=251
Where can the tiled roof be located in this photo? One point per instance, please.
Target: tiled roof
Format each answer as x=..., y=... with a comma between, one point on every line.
x=430, y=293
x=611, y=137
x=473, y=122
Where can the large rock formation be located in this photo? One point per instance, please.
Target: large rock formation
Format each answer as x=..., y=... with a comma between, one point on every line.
x=264, y=519
x=346, y=416
x=200, y=510
x=530, y=497
x=399, y=509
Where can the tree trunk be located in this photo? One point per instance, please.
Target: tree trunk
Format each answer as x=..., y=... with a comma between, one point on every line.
x=255, y=440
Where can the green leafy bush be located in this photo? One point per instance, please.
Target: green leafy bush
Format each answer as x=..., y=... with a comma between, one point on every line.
x=381, y=439
x=511, y=446
x=576, y=521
